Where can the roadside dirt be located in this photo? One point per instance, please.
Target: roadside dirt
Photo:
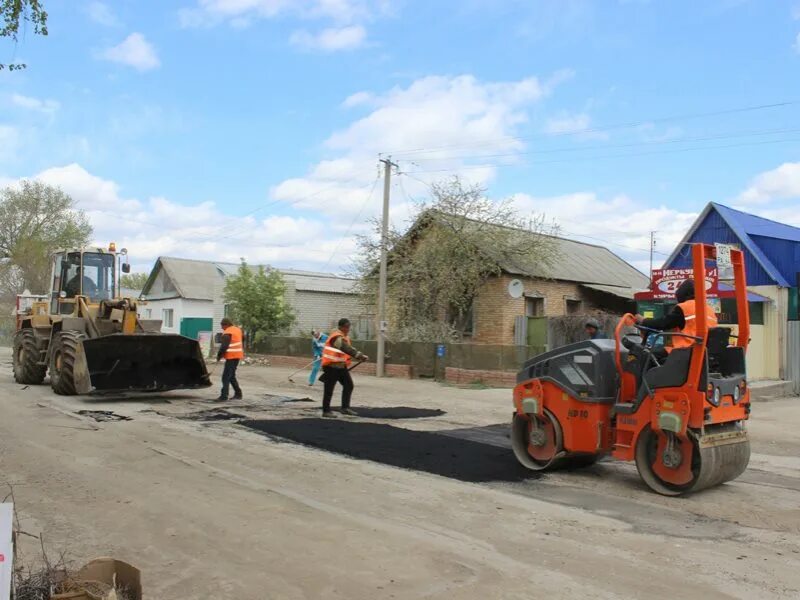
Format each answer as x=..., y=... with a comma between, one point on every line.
x=417, y=497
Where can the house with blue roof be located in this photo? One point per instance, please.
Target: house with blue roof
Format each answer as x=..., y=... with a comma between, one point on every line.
x=772, y=264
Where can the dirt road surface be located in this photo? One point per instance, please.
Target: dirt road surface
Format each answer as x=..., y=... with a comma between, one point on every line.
x=418, y=497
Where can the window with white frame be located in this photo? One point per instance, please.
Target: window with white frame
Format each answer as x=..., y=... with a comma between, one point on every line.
x=167, y=317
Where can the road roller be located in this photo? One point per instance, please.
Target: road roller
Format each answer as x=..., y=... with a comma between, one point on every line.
x=678, y=412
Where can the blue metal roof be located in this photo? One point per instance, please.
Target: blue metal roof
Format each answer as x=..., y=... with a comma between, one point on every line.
x=754, y=225
x=772, y=249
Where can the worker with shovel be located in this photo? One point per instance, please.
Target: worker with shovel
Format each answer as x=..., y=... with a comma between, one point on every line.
x=337, y=356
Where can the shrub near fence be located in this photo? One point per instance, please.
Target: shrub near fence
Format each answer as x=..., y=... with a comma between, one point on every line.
x=461, y=363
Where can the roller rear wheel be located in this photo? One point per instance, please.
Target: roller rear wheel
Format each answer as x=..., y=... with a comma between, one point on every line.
x=671, y=466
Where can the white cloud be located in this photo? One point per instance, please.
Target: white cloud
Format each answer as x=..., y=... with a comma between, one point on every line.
x=88, y=190
x=579, y=124
x=619, y=223
x=158, y=226
x=212, y=12
x=100, y=13
x=134, y=51
x=797, y=43
x=357, y=99
x=778, y=184
x=331, y=39
x=344, y=21
x=48, y=107
x=566, y=123
x=442, y=112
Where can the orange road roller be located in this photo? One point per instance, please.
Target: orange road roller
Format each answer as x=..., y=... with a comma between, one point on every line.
x=678, y=411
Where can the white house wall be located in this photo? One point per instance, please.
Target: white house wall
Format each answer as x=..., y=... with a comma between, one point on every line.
x=162, y=286
x=313, y=310
x=182, y=308
x=321, y=310
x=766, y=350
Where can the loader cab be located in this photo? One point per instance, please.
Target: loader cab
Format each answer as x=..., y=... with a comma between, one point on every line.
x=88, y=274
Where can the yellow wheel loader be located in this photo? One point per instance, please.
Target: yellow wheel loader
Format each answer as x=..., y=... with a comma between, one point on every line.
x=91, y=340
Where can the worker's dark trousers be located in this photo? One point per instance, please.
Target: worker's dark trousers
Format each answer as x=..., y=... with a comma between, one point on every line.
x=229, y=378
x=332, y=376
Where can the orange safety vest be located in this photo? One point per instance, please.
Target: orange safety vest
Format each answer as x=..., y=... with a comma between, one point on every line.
x=236, y=347
x=332, y=355
x=690, y=328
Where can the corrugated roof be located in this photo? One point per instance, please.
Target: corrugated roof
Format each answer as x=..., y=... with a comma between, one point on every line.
x=585, y=263
x=754, y=225
x=622, y=292
x=770, y=245
x=575, y=261
x=195, y=279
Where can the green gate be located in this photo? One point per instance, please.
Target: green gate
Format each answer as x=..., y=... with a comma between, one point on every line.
x=537, y=331
x=191, y=326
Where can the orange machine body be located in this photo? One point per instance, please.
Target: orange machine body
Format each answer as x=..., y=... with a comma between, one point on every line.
x=679, y=418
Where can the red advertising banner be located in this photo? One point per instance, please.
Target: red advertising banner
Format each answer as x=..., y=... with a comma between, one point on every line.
x=666, y=282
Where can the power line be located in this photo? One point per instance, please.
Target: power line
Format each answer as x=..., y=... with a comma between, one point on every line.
x=627, y=125
x=600, y=157
x=571, y=233
x=352, y=224
x=719, y=136
x=237, y=235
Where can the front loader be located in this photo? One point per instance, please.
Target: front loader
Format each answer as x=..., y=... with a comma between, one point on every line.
x=680, y=417
x=91, y=340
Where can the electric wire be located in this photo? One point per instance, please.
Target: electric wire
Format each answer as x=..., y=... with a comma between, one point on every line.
x=627, y=125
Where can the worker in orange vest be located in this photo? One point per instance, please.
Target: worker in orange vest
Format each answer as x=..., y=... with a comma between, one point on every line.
x=681, y=319
x=337, y=356
x=232, y=350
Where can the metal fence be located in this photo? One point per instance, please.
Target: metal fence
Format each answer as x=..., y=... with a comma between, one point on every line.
x=427, y=359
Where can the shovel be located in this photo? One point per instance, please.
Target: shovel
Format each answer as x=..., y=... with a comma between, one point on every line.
x=322, y=377
x=303, y=369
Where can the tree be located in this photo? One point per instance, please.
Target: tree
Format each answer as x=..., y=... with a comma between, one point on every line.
x=459, y=240
x=257, y=301
x=134, y=281
x=14, y=13
x=35, y=220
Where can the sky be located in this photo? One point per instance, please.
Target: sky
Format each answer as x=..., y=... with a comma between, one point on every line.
x=229, y=129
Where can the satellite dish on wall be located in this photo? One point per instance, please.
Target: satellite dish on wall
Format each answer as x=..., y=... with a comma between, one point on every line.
x=515, y=288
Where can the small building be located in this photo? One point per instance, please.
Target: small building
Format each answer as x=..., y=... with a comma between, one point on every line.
x=515, y=307
x=188, y=297
x=772, y=265
x=585, y=279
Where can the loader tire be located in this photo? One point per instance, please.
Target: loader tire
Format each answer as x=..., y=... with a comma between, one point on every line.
x=27, y=369
x=62, y=362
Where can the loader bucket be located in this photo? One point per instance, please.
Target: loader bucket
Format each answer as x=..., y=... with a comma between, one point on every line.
x=146, y=362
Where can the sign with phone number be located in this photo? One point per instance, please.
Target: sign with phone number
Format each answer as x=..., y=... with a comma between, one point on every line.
x=667, y=281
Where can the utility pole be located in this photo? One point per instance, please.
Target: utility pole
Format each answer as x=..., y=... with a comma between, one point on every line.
x=382, y=325
x=652, y=245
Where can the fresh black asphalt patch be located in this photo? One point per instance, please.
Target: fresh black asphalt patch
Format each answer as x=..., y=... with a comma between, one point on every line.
x=431, y=452
x=398, y=412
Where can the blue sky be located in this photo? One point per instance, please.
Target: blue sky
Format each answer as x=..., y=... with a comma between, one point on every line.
x=228, y=128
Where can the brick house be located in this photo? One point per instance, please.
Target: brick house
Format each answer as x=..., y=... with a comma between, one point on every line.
x=584, y=279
